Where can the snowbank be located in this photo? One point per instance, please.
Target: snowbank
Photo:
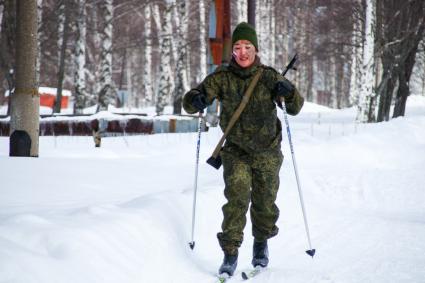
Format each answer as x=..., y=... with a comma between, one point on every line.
x=122, y=212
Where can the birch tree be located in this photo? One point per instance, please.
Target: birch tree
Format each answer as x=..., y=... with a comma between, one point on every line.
x=129, y=76
x=61, y=26
x=242, y=8
x=80, y=59
x=156, y=15
x=299, y=40
x=282, y=35
x=418, y=74
x=356, y=56
x=107, y=88
x=309, y=62
x=366, y=101
x=164, y=85
x=175, y=25
x=181, y=84
x=203, y=41
x=265, y=30
x=93, y=45
x=147, y=71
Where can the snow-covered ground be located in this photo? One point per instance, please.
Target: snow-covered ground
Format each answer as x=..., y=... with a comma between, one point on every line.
x=122, y=212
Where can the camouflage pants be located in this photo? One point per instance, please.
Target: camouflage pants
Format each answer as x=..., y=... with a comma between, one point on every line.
x=249, y=178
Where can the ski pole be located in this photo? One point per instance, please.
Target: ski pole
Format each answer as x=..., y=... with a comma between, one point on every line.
x=198, y=145
x=311, y=251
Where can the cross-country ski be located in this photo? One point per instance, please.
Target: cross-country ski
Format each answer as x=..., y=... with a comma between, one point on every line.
x=246, y=275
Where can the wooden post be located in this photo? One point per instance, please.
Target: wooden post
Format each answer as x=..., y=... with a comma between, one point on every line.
x=172, y=125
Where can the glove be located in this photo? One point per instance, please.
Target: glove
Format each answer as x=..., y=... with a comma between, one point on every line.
x=284, y=89
x=199, y=101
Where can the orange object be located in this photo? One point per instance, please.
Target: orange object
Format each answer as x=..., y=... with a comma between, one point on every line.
x=48, y=97
x=220, y=45
x=48, y=100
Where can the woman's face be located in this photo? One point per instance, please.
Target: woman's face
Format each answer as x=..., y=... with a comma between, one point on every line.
x=244, y=53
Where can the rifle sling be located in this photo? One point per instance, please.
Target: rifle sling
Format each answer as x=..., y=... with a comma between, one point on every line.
x=238, y=112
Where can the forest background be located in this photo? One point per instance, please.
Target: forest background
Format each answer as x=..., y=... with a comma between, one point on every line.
x=132, y=53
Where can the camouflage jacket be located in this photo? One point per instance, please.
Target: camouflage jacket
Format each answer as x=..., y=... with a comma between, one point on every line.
x=258, y=127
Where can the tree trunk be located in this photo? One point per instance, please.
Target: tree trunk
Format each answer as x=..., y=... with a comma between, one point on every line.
x=356, y=59
x=388, y=81
x=402, y=30
x=181, y=85
x=39, y=21
x=251, y=12
x=403, y=79
x=107, y=92
x=96, y=15
x=203, y=42
x=147, y=73
x=24, y=121
x=62, y=54
x=339, y=74
x=405, y=71
x=164, y=88
x=264, y=32
x=8, y=36
x=403, y=92
x=7, y=45
x=242, y=11
x=309, y=60
x=61, y=25
x=80, y=59
x=368, y=75
x=333, y=82
x=385, y=92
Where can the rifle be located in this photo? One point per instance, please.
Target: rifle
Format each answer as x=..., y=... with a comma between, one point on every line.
x=215, y=159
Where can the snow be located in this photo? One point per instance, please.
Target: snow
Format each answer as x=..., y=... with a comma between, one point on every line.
x=122, y=212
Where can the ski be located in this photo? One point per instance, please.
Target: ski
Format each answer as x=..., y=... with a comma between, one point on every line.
x=246, y=275
x=222, y=278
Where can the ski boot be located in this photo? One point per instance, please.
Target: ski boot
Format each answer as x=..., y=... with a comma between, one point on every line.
x=229, y=264
x=260, y=254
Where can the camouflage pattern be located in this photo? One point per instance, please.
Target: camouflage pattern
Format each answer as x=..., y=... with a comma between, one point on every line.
x=258, y=127
x=249, y=178
x=251, y=155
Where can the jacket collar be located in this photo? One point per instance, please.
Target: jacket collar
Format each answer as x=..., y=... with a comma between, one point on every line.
x=244, y=72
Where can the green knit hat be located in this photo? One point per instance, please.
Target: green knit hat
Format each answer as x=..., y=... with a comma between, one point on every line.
x=245, y=31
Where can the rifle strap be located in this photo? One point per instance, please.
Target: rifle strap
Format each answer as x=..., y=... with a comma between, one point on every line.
x=238, y=111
